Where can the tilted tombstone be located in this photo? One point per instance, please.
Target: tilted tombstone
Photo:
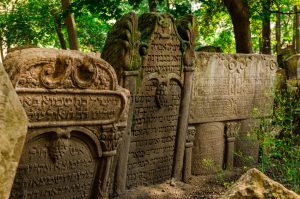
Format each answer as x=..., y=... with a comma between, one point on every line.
x=229, y=88
x=162, y=59
x=13, y=129
x=77, y=113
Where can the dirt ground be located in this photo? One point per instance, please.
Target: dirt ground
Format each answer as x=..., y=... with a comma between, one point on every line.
x=199, y=187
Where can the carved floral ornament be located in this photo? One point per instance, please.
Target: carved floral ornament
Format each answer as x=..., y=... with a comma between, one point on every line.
x=51, y=68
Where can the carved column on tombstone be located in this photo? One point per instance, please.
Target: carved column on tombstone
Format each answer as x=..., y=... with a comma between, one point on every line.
x=109, y=140
x=190, y=137
x=231, y=132
x=121, y=50
x=188, y=29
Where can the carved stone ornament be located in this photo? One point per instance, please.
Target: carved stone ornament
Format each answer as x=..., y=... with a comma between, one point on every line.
x=232, y=129
x=122, y=45
x=77, y=113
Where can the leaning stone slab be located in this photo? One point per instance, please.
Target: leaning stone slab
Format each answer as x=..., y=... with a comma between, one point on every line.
x=13, y=129
x=254, y=184
x=77, y=114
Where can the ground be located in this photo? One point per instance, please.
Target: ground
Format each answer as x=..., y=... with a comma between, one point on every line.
x=199, y=187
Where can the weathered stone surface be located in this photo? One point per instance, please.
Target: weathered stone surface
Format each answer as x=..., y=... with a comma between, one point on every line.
x=254, y=184
x=77, y=114
x=228, y=87
x=157, y=102
x=166, y=54
x=246, y=144
x=291, y=66
x=208, y=150
x=13, y=129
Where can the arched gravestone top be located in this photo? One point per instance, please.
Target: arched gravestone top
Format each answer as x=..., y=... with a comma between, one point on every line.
x=77, y=113
x=56, y=73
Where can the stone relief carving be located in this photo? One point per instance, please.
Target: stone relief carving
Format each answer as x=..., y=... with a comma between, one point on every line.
x=243, y=82
x=77, y=114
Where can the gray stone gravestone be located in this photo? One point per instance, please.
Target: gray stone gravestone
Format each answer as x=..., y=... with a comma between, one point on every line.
x=13, y=129
x=77, y=113
x=161, y=55
x=228, y=88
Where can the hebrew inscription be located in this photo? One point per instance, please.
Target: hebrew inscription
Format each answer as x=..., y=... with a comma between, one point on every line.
x=157, y=103
x=229, y=87
x=65, y=107
x=55, y=167
x=76, y=113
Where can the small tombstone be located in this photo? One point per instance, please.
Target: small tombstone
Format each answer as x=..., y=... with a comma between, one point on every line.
x=77, y=113
x=13, y=129
x=162, y=55
x=208, y=150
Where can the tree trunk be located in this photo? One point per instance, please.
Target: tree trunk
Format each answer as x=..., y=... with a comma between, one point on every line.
x=266, y=29
x=239, y=13
x=1, y=49
x=152, y=5
x=71, y=26
x=60, y=35
x=297, y=27
x=278, y=31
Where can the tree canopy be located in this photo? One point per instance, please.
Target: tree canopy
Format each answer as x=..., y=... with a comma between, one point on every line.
x=41, y=22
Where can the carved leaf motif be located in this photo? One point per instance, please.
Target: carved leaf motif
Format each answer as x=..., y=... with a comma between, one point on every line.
x=121, y=48
x=161, y=95
x=188, y=30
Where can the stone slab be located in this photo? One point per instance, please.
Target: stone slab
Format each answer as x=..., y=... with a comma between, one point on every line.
x=230, y=86
x=13, y=129
x=77, y=114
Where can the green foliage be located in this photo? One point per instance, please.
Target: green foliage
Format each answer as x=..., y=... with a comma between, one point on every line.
x=280, y=142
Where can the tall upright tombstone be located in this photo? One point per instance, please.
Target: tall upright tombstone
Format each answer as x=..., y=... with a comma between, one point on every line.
x=77, y=113
x=163, y=61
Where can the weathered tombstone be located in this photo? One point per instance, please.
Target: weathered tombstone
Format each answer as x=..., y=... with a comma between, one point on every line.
x=208, y=150
x=163, y=60
x=13, y=129
x=77, y=113
x=291, y=66
x=228, y=88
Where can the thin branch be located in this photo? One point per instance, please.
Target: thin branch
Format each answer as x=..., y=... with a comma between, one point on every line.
x=285, y=13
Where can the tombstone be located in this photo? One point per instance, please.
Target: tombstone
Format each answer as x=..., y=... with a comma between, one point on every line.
x=77, y=114
x=291, y=66
x=161, y=56
x=13, y=129
x=227, y=88
x=209, y=148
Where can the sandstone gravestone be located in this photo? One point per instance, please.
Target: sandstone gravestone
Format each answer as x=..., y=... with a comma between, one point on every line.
x=13, y=129
x=228, y=88
x=77, y=113
x=163, y=61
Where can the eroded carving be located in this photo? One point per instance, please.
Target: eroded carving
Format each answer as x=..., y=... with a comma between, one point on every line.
x=77, y=114
x=242, y=83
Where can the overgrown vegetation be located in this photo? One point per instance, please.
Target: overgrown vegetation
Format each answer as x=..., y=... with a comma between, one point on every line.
x=279, y=138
